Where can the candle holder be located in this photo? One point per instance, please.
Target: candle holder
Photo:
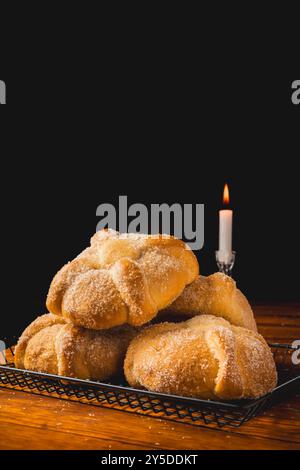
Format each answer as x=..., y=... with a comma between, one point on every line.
x=225, y=262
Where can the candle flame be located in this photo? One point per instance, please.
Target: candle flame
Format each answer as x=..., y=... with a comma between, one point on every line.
x=226, y=198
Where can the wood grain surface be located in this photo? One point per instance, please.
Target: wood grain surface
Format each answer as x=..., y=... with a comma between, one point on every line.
x=33, y=422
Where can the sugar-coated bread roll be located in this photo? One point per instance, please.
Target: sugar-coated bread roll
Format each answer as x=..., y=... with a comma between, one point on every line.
x=122, y=278
x=213, y=295
x=51, y=345
x=204, y=357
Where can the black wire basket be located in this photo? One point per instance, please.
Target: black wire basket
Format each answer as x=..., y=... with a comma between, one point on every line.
x=176, y=408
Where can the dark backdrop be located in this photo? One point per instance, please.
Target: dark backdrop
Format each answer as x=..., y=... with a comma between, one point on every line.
x=167, y=134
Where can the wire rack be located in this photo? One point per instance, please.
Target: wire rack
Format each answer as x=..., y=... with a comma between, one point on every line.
x=176, y=408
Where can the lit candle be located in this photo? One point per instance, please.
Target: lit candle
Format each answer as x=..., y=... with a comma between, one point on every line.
x=225, y=229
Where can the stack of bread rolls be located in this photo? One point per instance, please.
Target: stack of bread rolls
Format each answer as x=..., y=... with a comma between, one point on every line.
x=109, y=308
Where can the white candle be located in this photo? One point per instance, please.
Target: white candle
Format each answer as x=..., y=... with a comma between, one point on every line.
x=225, y=229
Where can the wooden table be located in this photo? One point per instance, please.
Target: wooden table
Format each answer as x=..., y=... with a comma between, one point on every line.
x=34, y=422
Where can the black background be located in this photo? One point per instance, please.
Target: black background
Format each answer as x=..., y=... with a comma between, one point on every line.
x=166, y=128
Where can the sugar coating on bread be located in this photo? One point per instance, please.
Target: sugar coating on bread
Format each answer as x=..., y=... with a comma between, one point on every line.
x=51, y=345
x=122, y=278
x=217, y=295
x=204, y=357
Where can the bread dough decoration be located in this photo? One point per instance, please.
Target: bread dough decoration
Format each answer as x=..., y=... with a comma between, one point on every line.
x=51, y=345
x=213, y=295
x=204, y=357
x=122, y=278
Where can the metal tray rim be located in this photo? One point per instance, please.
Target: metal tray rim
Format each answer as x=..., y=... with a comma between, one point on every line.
x=188, y=401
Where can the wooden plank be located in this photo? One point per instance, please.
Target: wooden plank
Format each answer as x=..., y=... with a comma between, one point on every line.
x=282, y=321
x=32, y=422
x=45, y=423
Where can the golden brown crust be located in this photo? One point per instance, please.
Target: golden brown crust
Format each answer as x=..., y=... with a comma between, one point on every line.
x=122, y=278
x=213, y=295
x=52, y=345
x=204, y=357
